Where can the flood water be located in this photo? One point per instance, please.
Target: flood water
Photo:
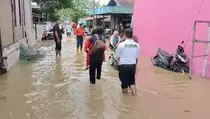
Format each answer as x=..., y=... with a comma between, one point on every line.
x=59, y=88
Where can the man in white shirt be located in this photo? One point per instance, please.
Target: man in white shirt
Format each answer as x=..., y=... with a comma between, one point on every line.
x=68, y=30
x=128, y=53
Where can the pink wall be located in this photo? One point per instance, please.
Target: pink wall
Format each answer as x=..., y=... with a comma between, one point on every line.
x=165, y=23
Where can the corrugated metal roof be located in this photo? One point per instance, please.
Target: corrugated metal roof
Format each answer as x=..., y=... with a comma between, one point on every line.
x=115, y=7
x=113, y=10
x=121, y=3
x=106, y=18
x=125, y=2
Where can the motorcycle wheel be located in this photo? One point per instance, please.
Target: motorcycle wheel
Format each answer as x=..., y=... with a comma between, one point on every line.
x=154, y=61
x=185, y=69
x=111, y=61
x=116, y=67
x=181, y=69
x=44, y=38
x=175, y=67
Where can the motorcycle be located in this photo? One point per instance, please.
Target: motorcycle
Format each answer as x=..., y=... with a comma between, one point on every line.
x=87, y=33
x=177, y=63
x=113, y=59
x=47, y=35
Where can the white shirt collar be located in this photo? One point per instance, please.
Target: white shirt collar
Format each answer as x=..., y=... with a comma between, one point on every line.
x=129, y=39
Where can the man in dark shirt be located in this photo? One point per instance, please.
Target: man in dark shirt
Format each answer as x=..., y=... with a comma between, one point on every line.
x=57, y=33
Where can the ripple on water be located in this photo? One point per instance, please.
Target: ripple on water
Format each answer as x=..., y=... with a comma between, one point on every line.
x=2, y=97
x=59, y=89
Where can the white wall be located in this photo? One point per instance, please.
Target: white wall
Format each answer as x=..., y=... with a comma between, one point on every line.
x=29, y=23
x=12, y=52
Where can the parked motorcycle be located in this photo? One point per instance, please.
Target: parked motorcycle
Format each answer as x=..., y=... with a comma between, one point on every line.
x=47, y=35
x=177, y=63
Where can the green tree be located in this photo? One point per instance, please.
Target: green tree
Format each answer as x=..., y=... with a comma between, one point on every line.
x=79, y=9
x=56, y=4
x=73, y=14
x=74, y=9
x=51, y=6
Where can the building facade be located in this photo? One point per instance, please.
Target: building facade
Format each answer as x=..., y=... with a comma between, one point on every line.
x=165, y=23
x=119, y=11
x=15, y=28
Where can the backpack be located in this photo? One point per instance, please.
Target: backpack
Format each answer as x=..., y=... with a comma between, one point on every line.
x=98, y=45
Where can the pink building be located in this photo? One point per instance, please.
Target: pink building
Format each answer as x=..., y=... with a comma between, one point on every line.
x=165, y=23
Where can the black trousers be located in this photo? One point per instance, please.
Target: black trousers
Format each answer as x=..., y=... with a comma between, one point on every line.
x=68, y=34
x=127, y=75
x=95, y=69
x=80, y=41
x=58, y=46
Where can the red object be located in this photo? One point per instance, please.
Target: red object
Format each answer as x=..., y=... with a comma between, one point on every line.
x=74, y=25
x=87, y=45
x=80, y=32
x=87, y=48
x=44, y=33
x=106, y=47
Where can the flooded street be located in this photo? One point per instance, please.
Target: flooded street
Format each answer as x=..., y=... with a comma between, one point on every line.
x=59, y=88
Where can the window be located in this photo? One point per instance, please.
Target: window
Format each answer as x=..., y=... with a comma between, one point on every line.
x=23, y=18
x=14, y=18
x=24, y=15
x=20, y=10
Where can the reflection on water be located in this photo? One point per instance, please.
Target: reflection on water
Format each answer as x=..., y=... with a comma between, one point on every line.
x=59, y=88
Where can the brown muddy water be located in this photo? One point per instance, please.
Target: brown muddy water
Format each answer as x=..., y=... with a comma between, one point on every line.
x=59, y=88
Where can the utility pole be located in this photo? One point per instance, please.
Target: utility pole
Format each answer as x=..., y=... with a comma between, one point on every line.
x=94, y=20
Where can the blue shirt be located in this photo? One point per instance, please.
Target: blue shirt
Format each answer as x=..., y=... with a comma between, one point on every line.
x=115, y=40
x=128, y=51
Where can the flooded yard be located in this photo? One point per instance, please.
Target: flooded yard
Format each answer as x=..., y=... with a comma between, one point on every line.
x=59, y=88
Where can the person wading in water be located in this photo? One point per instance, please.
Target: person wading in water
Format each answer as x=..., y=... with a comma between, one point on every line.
x=88, y=47
x=57, y=33
x=68, y=30
x=128, y=53
x=80, y=34
x=96, y=55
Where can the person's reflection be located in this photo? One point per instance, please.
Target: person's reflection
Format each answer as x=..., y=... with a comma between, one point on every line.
x=130, y=105
x=58, y=60
x=58, y=73
x=95, y=102
x=79, y=61
x=58, y=63
x=59, y=91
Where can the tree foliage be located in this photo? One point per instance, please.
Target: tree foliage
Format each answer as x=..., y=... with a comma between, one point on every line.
x=73, y=9
x=55, y=4
x=51, y=6
x=73, y=14
x=79, y=9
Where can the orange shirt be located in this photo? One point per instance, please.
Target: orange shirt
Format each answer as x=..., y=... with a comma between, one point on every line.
x=80, y=32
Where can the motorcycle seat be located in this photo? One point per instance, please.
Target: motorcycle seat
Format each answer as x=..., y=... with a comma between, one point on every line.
x=164, y=53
